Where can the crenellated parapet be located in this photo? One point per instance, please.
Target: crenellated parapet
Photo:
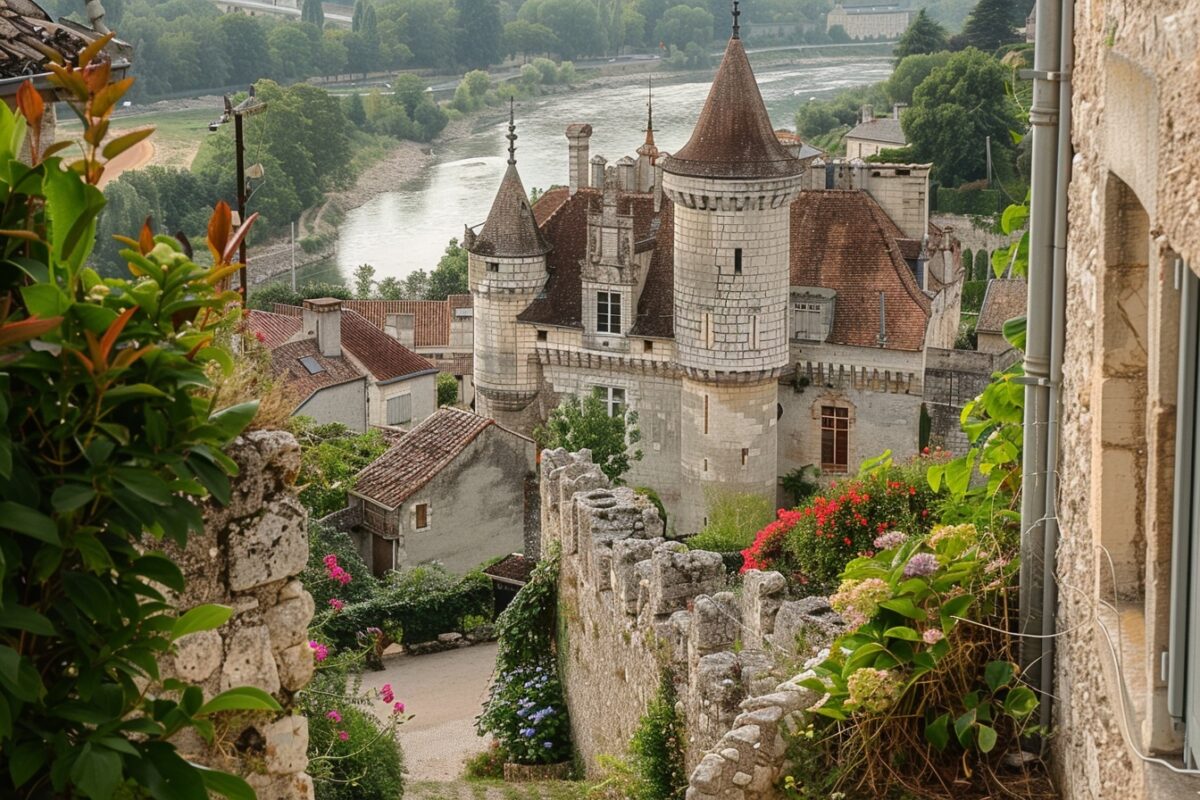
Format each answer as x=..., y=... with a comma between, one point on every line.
x=862, y=379
x=634, y=603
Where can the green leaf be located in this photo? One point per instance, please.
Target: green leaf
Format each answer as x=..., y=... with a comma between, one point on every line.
x=1014, y=332
x=96, y=772
x=229, y=786
x=903, y=606
x=233, y=420
x=145, y=484
x=241, y=698
x=89, y=594
x=901, y=632
x=201, y=618
x=997, y=674
x=71, y=496
x=23, y=519
x=955, y=607
x=26, y=619
x=159, y=568
x=985, y=738
x=1020, y=702
x=27, y=760
x=45, y=300
x=134, y=391
x=963, y=726
x=937, y=733
x=1014, y=218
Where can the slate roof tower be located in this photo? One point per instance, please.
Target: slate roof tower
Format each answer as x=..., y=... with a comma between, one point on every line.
x=507, y=269
x=732, y=186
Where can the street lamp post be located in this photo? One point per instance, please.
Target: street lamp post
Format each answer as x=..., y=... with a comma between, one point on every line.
x=251, y=105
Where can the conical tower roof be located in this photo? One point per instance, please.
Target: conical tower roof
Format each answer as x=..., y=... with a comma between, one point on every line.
x=510, y=230
x=733, y=137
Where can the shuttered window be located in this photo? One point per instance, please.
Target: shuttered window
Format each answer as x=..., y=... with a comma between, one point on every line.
x=422, y=515
x=399, y=410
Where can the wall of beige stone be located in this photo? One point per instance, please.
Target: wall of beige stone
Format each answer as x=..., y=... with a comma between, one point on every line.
x=1134, y=79
x=634, y=604
x=249, y=557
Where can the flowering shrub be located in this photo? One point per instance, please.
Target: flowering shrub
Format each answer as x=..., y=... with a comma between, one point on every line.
x=354, y=582
x=812, y=544
x=925, y=684
x=528, y=716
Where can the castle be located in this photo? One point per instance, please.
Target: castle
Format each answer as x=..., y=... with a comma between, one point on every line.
x=759, y=312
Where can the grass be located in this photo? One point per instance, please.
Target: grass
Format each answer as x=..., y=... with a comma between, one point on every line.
x=177, y=134
x=496, y=790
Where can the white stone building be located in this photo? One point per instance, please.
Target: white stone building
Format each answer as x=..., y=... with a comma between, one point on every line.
x=869, y=20
x=871, y=134
x=760, y=316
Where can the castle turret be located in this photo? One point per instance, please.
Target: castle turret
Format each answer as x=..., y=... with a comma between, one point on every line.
x=507, y=261
x=732, y=185
x=648, y=152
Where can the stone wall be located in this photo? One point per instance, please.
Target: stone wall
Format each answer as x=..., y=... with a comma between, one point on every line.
x=249, y=557
x=634, y=605
x=954, y=378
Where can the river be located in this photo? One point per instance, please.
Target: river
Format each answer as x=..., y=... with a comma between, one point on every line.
x=407, y=229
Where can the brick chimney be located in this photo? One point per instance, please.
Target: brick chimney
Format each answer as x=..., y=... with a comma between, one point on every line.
x=578, y=135
x=323, y=321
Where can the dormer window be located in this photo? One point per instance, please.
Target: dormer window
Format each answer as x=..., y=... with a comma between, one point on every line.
x=812, y=317
x=608, y=312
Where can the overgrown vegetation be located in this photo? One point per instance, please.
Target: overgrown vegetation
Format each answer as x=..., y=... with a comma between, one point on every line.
x=733, y=520
x=657, y=747
x=588, y=424
x=331, y=455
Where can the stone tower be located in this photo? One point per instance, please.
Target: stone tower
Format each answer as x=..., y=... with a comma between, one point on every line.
x=732, y=185
x=507, y=266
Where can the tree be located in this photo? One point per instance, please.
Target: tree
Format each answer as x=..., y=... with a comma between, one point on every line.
x=355, y=113
x=312, y=13
x=450, y=275
x=291, y=52
x=330, y=456
x=408, y=90
x=447, y=389
x=575, y=24
x=681, y=25
x=585, y=424
x=416, y=285
x=990, y=25
x=909, y=74
x=955, y=109
x=364, y=278
x=923, y=36
x=246, y=44
x=391, y=289
x=527, y=38
x=478, y=33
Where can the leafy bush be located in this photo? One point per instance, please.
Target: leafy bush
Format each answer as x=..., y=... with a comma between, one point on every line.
x=527, y=714
x=802, y=483
x=585, y=424
x=106, y=450
x=733, y=520
x=265, y=298
x=489, y=763
x=330, y=456
x=812, y=544
x=447, y=389
x=323, y=542
x=924, y=692
x=657, y=748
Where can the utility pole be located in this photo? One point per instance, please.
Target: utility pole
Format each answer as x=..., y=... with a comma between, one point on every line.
x=251, y=105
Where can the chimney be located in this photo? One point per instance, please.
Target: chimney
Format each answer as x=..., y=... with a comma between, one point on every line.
x=323, y=320
x=658, y=180
x=403, y=328
x=577, y=148
x=598, y=161
x=867, y=114
x=896, y=109
x=625, y=174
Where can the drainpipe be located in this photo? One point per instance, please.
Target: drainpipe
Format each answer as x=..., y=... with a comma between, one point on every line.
x=1046, y=215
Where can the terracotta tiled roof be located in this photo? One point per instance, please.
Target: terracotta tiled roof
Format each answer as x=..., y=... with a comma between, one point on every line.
x=510, y=229
x=843, y=240
x=549, y=202
x=885, y=130
x=28, y=35
x=733, y=137
x=656, y=306
x=431, y=318
x=559, y=302
x=285, y=363
x=420, y=455
x=384, y=357
x=272, y=329
x=512, y=569
x=1003, y=300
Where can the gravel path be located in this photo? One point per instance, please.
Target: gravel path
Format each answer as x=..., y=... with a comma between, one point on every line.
x=444, y=692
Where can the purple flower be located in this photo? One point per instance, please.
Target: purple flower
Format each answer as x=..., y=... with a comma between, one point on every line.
x=890, y=540
x=920, y=565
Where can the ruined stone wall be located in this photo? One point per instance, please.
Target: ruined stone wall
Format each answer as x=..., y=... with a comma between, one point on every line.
x=633, y=604
x=249, y=557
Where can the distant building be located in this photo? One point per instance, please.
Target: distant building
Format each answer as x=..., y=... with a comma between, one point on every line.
x=1003, y=300
x=452, y=490
x=344, y=369
x=799, y=148
x=869, y=20
x=872, y=135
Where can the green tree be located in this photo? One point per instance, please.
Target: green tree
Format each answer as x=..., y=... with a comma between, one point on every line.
x=450, y=275
x=910, y=72
x=527, y=38
x=923, y=36
x=990, y=25
x=953, y=112
x=330, y=456
x=355, y=113
x=364, y=279
x=409, y=90
x=447, y=389
x=312, y=13
x=578, y=424
x=575, y=24
x=291, y=52
x=416, y=285
x=246, y=44
x=391, y=289
x=478, y=34
x=681, y=25
x=333, y=57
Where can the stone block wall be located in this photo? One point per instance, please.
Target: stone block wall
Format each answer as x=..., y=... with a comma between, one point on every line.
x=633, y=604
x=249, y=557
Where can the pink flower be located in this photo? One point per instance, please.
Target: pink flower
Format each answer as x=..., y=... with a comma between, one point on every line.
x=385, y=693
x=320, y=651
x=259, y=335
x=398, y=708
x=932, y=636
x=338, y=605
x=343, y=736
x=334, y=715
x=334, y=571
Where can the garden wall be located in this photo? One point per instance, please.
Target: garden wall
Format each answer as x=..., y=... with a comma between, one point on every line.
x=249, y=557
x=632, y=603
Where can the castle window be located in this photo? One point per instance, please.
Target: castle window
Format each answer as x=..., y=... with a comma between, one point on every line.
x=613, y=398
x=608, y=312
x=706, y=325
x=705, y=414
x=493, y=266
x=647, y=346
x=754, y=340
x=808, y=320
x=541, y=336
x=745, y=455
x=835, y=438
x=737, y=261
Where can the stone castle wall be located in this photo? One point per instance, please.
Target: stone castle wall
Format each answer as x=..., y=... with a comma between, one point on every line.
x=634, y=604
x=248, y=558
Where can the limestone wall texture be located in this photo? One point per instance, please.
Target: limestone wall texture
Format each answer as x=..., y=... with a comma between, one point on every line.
x=249, y=557
x=1134, y=202
x=634, y=604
